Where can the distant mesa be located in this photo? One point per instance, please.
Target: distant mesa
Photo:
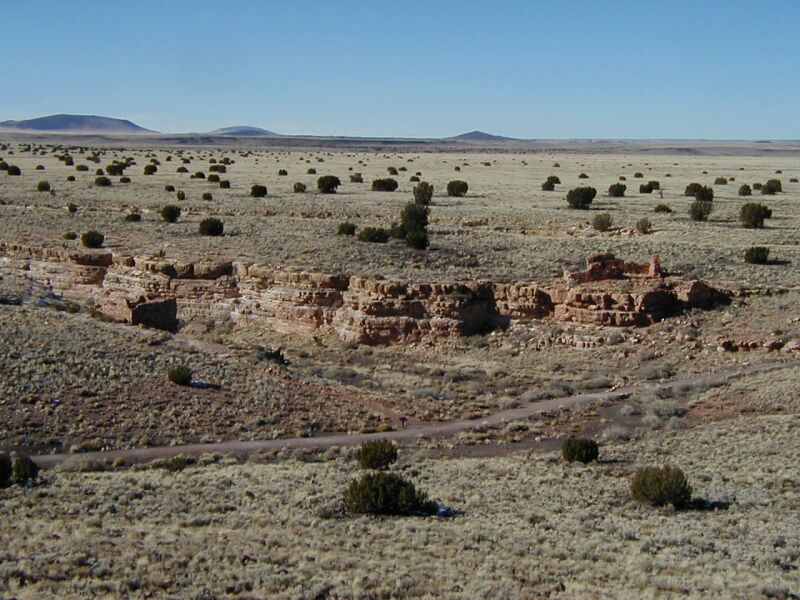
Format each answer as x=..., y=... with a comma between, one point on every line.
x=241, y=131
x=481, y=136
x=76, y=124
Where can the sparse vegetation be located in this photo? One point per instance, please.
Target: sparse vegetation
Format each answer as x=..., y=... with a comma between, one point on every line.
x=756, y=255
x=180, y=375
x=327, y=184
x=752, y=215
x=171, y=213
x=25, y=471
x=92, y=239
x=457, y=188
x=602, y=221
x=376, y=235
x=661, y=486
x=258, y=191
x=581, y=197
x=376, y=455
x=386, y=494
x=346, y=228
x=423, y=193
x=662, y=208
x=617, y=190
x=580, y=450
x=644, y=226
x=744, y=190
x=384, y=185
x=211, y=227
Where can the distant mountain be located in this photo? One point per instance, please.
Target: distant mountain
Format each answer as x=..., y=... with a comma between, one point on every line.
x=241, y=131
x=480, y=136
x=76, y=124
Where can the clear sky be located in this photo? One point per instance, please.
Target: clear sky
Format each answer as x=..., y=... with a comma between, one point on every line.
x=727, y=69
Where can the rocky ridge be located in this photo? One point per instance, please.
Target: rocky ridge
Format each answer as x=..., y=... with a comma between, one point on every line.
x=160, y=293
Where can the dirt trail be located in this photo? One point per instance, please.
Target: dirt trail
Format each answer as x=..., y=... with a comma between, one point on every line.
x=422, y=431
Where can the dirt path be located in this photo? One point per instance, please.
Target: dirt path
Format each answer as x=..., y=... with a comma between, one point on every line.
x=423, y=431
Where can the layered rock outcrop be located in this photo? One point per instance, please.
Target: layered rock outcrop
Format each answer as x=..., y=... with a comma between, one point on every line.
x=160, y=293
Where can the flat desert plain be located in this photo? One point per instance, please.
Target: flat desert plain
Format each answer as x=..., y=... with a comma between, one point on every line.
x=479, y=419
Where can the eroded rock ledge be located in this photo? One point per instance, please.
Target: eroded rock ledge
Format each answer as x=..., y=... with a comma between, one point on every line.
x=157, y=292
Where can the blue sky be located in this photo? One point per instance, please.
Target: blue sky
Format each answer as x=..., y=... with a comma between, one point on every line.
x=558, y=69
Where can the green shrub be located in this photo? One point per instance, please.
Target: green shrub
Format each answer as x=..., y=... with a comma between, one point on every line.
x=217, y=169
x=312, y=171
x=213, y=178
x=327, y=184
x=377, y=235
x=623, y=178
x=152, y=170
x=386, y=494
x=752, y=215
x=207, y=196
x=70, y=177
x=647, y=188
x=417, y=239
x=299, y=188
x=720, y=181
x=423, y=193
x=583, y=176
x=548, y=186
x=115, y=169
x=180, y=375
x=392, y=171
x=282, y=172
x=414, y=179
x=744, y=190
x=43, y=186
x=346, y=228
x=758, y=186
x=617, y=190
x=580, y=450
x=638, y=175
x=13, y=170
x=225, y=184
x=5, y=467
x=170, y=213
x=554, y=179
x=691, y=189
x=414, y=217
x=772, y=187
x=258, y=191
x=169, y=188
x=356, y=178
x=124, y=179
x=704, y=194
x=581, y=197
x=700, y=210
x=39, y=168
x=644, y=225
x=102, y=182
x=661, y=486
x=211, y=227
x=384, y=185
x=24, y=470
x=457, y=188
x=92, y=239
x=662, y=208
x=376, y=455
x=180, y=170
x=133, y=217
x=82, y=168
x=756, y=255
x=602, y=221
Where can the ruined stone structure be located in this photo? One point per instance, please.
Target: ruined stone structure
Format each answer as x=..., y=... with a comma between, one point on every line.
x=159, y=293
